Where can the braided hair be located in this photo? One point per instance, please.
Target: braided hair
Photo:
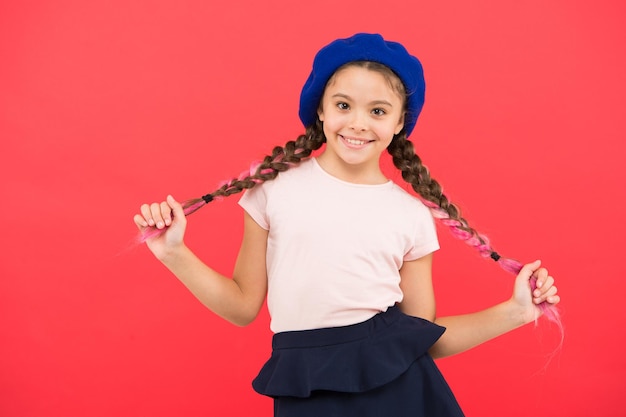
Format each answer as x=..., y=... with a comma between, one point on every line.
x=404, y=158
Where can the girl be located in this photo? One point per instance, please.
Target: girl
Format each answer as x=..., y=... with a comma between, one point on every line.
x=343, y=254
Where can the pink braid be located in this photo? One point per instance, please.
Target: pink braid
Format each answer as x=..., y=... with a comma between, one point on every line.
x=417, y=175
x=191, y=206
x=481, y=243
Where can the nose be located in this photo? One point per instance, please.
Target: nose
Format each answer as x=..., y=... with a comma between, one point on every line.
x=358, y=121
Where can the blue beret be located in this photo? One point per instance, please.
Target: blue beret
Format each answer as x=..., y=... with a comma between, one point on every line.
x=363, y=47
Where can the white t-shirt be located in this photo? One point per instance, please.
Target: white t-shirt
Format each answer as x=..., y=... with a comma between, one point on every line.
x=335, y=248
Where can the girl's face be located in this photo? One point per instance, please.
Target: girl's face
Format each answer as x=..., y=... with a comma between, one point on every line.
x=361, y=112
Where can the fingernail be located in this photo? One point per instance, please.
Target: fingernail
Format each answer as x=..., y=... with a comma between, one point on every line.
x=151, y=222
x=160, y=225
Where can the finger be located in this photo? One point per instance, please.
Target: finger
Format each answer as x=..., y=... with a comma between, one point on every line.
x=543, y=285
x=177, y=208
x=155, y=209
x=553, y=299
x=166, y=213
x=528, y=269
x=541, y=275
x=147, y=214
x=140, y=221
x=547, y=296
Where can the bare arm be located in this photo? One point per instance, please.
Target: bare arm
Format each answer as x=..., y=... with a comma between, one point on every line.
x=466, y=331
x=237, y=300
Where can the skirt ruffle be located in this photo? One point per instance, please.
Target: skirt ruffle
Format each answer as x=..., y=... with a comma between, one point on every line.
x=350, y=359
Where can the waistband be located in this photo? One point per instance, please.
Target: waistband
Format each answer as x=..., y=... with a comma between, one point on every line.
x=336, y=335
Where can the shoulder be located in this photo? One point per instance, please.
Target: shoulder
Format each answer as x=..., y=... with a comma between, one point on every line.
x=417, y=217
x=408, y=200
x=286, y=183
x=291, y=175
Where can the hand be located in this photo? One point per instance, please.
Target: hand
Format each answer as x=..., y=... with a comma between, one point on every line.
x=165, y=215
x=534, y=286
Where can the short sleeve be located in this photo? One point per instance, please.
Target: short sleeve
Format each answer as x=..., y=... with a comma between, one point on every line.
x=425, y=236
x=254, y=202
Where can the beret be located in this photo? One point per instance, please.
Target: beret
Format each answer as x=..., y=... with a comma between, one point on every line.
x=363, y=47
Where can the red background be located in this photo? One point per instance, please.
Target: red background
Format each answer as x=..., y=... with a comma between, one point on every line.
x=106, y=105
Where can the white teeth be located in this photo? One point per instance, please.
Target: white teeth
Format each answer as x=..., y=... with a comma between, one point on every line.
x=355, y=142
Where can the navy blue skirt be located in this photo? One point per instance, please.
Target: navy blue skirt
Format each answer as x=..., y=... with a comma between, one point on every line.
x=380, y=367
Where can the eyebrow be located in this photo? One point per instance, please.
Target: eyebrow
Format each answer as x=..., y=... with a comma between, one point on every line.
x=375, y=102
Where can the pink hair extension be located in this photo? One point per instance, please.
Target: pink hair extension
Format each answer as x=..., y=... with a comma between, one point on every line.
x=514, y=267
x=189, y=207
x=481, y=244
x=255, y=166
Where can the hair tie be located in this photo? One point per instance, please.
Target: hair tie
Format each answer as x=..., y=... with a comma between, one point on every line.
x=494, y=255
x=207, y=198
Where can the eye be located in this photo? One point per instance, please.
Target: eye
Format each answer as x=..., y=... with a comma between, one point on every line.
x=342, y=105
x=379, y=112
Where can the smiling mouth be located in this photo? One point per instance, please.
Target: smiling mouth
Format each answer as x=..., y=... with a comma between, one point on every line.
x=355, y=142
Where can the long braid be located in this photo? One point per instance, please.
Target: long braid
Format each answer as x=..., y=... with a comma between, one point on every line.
x=281, y=159
x=418, y=176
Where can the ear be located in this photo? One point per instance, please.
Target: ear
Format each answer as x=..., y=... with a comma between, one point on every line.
x=400, y=125
x=320, y=113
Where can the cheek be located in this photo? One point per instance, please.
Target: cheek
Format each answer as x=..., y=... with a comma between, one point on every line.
x=327, y=127
x=390, y=131
x=331, y=122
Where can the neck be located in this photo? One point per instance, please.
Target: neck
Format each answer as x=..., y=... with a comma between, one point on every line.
x=366, y=173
